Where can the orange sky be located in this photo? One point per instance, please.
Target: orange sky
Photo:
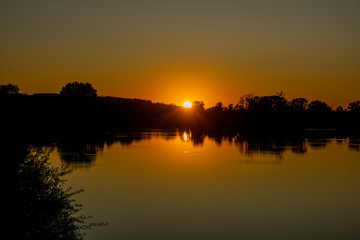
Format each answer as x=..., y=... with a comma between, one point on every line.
x=173, y=51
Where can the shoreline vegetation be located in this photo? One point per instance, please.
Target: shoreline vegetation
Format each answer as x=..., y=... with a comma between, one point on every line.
x=77, y=109
x=40, y=205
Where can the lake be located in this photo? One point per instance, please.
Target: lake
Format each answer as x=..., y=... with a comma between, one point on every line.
x=184, y=185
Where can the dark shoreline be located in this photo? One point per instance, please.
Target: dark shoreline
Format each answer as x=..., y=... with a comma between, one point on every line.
x=31, y=117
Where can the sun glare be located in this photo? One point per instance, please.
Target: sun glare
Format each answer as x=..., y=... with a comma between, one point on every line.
x=185, y=137
x=187, y=104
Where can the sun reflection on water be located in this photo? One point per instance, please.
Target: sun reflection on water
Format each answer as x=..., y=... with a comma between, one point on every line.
x=185, y=136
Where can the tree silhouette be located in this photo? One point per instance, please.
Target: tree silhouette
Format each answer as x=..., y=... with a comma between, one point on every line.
x=42, y=207
x=198, y=105
x=9, y=89
x=298, y=104
x=340, y=109
x=247, y=101
x=354, y=106
x=230, y=107
x=275, y=103
x=79, y=90
x=218, y=107
x=318, y=106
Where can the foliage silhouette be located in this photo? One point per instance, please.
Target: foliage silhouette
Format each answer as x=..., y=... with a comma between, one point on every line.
x=198, y=105
x=354, y=106
x=298, y=104
x=340, y=109
x=42, y=208
x=79, y=90
x=9, y=89
x=318, y=106
x=218, y=107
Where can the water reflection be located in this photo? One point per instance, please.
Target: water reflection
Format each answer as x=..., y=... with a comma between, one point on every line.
x=354, y=144
x=81, y=153
x=275, y=145
x=185, y=137
x=181, y=174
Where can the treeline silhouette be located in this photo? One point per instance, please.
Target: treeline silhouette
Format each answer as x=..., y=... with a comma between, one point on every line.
x=78, y=109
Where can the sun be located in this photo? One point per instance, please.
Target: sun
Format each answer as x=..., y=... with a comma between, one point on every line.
x=187, y=104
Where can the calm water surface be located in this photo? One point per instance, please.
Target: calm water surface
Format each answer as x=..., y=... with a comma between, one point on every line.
x=179, y=186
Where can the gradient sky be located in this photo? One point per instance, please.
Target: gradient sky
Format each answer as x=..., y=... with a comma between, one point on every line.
x=173, y=51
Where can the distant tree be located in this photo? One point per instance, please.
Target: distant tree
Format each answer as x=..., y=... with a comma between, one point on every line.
x=298, y=104
x=340, y=109
x=79, y=90
x=239, y=107
x=198, y=105
x=219, y=106
x=354, y=106
x=9, y=89
x=246, y=100
x=230, y=107
x=280, y=94
x=275, y=103
x=318, y=106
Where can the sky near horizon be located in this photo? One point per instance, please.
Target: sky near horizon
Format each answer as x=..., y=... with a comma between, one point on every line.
x=176, y=51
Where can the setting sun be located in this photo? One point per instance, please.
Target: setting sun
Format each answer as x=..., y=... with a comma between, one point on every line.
x=187, y=104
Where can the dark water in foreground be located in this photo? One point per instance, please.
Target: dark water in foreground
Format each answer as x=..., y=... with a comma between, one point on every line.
x=177, y=186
